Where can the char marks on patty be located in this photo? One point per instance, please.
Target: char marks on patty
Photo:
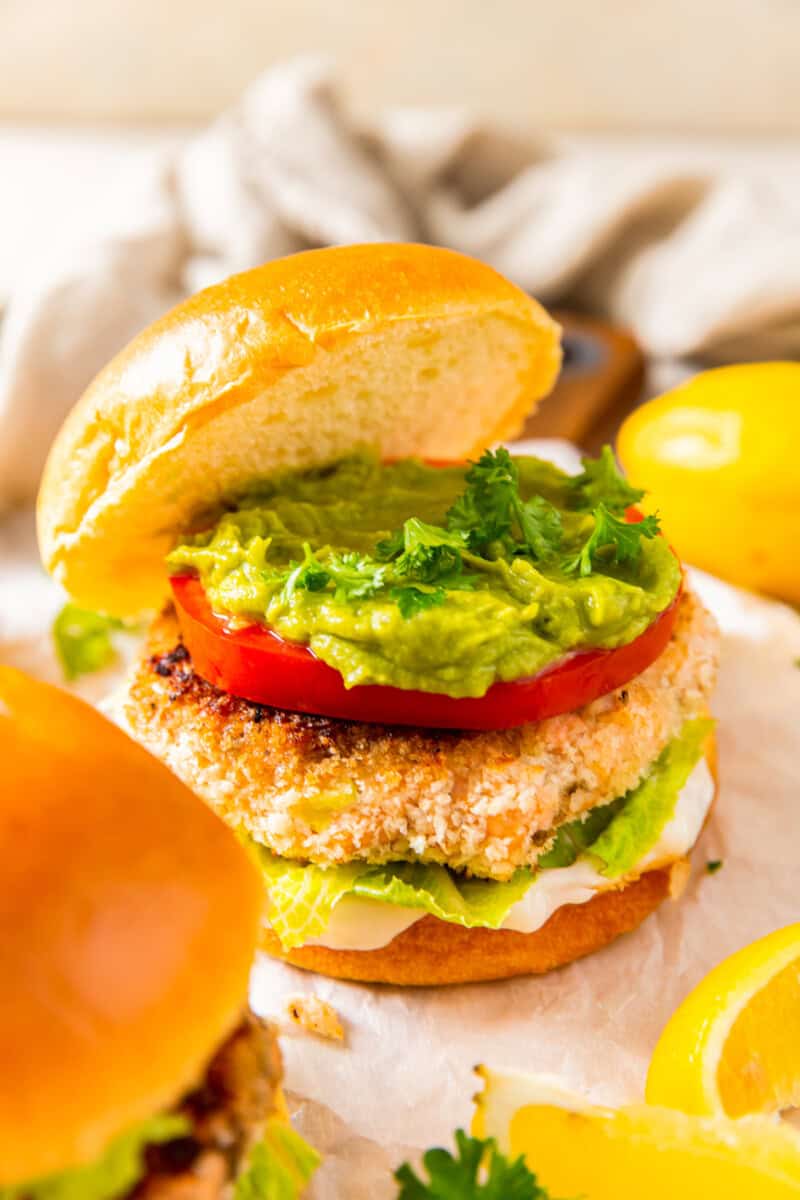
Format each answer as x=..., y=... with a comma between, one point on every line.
x=330, y=791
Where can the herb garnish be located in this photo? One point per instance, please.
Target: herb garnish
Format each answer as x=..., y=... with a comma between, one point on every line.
x=411, y=600
x=490, y=520
x=489, y=528
x=601, y=482
x=713, y=865
x=613, y=540
x=477, y=1172
x=494, y=516
x=427, y=553
x=354, y=576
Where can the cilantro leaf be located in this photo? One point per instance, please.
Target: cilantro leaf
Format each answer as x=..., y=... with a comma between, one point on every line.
x=390, y=547
x=613, y=540
x=424, y=554
x=429, y=552
x=540, y=522
x=484, y=511
x=491, y=510
x=309, y=575
x=601, y=482
x=418, y=535
x=412, y=600
x=478, y=1172
x=83, y=640
x=354, y=576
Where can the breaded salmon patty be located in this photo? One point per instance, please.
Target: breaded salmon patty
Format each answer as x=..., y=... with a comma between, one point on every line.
x=331, y=791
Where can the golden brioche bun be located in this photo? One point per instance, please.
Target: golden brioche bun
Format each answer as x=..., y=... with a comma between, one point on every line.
x=432, y=952
x=409, y=350
x=129, y=916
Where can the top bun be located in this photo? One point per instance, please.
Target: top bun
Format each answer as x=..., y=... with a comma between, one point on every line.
x=408, y=350
x=129, y=915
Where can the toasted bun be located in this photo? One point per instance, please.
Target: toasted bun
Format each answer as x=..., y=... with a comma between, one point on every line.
x=410, y=350
x=432, y=952
x=129, y=916
x=435, y=952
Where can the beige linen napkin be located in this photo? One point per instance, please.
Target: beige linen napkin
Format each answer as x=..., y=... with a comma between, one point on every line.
x=697, y=261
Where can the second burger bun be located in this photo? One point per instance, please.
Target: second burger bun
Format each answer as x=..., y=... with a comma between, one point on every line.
x=404, y=349
x=433, y=952
x=129, y=916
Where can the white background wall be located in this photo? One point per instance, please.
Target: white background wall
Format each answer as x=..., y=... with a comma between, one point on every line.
x=707, y=66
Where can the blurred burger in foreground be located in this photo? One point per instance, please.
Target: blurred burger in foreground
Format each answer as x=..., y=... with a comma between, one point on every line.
x=131, y=1065
x=457, y=700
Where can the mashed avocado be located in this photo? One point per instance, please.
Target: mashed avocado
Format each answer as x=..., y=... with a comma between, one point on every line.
x=442, y=579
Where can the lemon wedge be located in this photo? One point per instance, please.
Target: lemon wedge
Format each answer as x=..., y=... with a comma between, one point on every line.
x=733, y=1046
x=578, y=1149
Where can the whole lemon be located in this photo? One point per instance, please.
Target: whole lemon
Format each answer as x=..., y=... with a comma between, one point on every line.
x=720, y=459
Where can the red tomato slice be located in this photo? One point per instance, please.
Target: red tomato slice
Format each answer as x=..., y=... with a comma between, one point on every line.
x=257, y=665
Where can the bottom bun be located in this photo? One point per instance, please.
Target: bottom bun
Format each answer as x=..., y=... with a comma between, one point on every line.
x=433, y=952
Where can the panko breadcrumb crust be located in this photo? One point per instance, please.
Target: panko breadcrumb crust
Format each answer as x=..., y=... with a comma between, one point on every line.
x=432, y=952
x=331, y=791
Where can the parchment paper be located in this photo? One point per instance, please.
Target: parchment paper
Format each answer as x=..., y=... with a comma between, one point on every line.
x=403, y=1079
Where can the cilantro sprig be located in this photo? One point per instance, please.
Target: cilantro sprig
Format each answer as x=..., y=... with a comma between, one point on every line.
x=601, y=482
x=425, y=552
x=612, y=540
x=478, y=1171
x=354, y=576
x=412, y=600
x=420, y=553
x=493, y=516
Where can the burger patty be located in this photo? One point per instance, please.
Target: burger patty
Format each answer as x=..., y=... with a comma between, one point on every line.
x=330, y=791
x=226, y=1113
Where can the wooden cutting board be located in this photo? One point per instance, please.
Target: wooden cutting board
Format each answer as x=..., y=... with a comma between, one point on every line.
x=600, y=382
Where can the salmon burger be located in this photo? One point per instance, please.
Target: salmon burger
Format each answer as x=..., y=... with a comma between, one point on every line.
x=133, y=1068
x=454, y=699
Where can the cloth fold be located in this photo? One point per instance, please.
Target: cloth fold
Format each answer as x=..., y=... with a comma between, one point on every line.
x=698, y=262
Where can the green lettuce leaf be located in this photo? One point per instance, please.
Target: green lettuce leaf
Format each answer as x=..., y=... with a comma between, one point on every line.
x=574, y=838
x=280, y=1165
x=451, y=897
x=302, y=897
x=622, y=832
x=83, y=640
x=113, y=1175
x=650, y=806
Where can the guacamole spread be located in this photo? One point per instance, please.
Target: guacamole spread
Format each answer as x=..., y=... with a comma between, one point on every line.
x=441, y=579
